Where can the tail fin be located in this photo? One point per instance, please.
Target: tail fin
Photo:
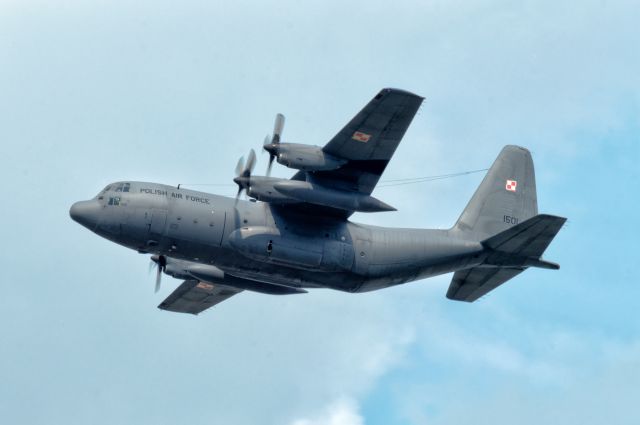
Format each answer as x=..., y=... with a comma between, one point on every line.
x=508, y=253
x=506, y=196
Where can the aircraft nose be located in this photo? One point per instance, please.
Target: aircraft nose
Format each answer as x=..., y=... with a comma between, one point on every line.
x=85, y=213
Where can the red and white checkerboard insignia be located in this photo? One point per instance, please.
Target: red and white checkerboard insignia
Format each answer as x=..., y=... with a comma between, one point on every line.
x=204, y=286
x=361, y=137
x=511, y=185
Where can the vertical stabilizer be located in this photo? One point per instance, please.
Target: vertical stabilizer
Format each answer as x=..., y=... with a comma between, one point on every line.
x=506, y=196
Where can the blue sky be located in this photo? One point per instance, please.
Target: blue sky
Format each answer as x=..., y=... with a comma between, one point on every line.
x=94, y=92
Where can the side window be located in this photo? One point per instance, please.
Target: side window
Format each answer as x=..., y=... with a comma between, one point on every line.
x=114, y=200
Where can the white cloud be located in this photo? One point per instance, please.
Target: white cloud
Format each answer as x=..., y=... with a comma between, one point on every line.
x=505, y=368
x=605, y=392
x=340, y=412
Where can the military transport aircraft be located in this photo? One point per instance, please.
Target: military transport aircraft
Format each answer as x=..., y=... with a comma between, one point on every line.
x=294, y=234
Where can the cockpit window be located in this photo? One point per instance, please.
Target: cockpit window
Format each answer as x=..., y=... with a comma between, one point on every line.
x=100, y=195
x=123, y=187
x=114, y=200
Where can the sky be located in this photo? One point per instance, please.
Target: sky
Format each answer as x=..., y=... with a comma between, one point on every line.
x=93, y=92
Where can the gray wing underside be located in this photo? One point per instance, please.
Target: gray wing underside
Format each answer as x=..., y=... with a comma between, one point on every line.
x=375, y=132
x=194, y=297
x=368, y=143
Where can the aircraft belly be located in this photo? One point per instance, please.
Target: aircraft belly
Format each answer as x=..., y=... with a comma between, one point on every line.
x=238, y=266
x=404, y=255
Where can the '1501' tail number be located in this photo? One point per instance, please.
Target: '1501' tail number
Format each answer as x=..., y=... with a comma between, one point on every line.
x=510, y=219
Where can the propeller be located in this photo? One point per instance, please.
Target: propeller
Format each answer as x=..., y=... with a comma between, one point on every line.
x=243, y=173
x=161, y=265
x=271, y=146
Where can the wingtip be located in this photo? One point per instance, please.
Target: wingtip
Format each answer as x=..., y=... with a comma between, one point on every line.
x=398, y=91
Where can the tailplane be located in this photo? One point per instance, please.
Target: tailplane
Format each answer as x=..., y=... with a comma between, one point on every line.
x=508, y=254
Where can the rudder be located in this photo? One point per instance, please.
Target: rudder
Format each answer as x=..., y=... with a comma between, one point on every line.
x=506, y=196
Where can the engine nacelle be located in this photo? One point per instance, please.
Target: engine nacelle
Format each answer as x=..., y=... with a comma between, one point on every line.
x=178, y=269
x=319, y=195
x=261, y=188
x=188, y=270
x=306, y=157
x=267, y=245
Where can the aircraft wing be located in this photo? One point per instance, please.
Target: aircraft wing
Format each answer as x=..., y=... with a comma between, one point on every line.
x=194, y=297
x=368, y=142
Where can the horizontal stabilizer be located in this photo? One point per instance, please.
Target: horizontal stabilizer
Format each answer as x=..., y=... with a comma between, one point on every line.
x=508, y=253
x=527, y=240
x=470, y=284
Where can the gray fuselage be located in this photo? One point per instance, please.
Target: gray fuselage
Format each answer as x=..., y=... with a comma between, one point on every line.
x=266, y=243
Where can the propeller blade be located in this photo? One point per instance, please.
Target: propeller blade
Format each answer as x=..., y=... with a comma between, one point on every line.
x=271, y=145
x=251, y=163
x=238, y=194
x=160, y=261
x=271, y=158
x=240, y=166
x=278, y=126
x=158, y=279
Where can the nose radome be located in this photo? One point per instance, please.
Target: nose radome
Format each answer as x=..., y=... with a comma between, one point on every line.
x=85, y=213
